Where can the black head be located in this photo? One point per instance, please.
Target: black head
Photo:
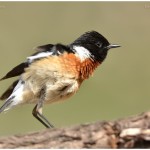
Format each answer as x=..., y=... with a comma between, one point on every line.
x=95, y=43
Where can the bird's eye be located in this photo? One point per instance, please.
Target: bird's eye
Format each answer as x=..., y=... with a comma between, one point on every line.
x=99, y=44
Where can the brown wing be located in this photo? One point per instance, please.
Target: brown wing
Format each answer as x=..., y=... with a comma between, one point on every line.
x=18, y=70
x=8, y=92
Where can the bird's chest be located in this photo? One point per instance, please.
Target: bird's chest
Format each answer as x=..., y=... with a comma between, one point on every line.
x=54, y=79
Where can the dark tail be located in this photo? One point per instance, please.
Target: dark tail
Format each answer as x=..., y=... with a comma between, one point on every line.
x=9, y=91
x=6, y=104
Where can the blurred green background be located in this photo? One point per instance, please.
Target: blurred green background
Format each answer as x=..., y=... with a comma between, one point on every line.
x=119, y=88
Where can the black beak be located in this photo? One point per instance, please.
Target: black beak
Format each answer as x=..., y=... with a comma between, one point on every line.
x=113, y=46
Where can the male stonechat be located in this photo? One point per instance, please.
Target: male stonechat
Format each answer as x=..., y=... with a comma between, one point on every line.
x=55, y=73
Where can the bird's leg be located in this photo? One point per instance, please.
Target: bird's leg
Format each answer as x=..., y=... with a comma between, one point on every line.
x=37, y=113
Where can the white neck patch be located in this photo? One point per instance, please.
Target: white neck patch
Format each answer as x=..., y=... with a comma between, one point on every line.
x=82, y=52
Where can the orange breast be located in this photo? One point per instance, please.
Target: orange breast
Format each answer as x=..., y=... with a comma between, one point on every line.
x=87, y=68
x=82, y=69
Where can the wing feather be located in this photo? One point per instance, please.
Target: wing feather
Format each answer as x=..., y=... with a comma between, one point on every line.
x=42, y=51
x=16, y=71
x=47, y=47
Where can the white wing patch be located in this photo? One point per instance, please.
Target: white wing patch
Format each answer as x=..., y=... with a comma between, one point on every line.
x=30, y=59
x=82, y=52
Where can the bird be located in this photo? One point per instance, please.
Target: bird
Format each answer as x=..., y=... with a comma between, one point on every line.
x=54, y=73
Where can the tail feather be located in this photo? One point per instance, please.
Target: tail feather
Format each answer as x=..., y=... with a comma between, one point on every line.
x=15, y=97
x=9, y=91
x=6, y=105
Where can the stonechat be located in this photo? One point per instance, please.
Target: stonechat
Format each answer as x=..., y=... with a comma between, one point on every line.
x=55, y=73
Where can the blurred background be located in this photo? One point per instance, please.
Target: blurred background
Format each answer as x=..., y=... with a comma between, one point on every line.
x=119, y=88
